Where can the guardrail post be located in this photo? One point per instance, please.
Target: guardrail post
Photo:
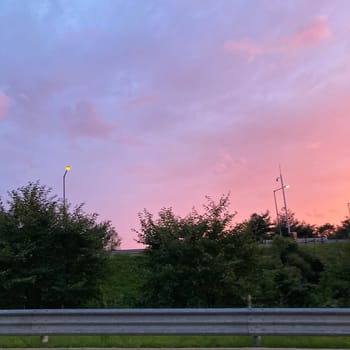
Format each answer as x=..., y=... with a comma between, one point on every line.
x=44, y=339
x=257, y=340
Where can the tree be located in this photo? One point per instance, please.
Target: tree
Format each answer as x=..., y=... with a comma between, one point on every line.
x=301, y=229
x=199, y=260
x=326, y=230
x=343, y=231
x=50, y=256
x=259, y=226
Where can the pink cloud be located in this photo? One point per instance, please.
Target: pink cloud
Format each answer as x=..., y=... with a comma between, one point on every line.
x=227, y=163
x=129, y=141
x=311, y=35
x=85, y=121
x=4, y=104
x=313, y=145
x=140, y=102
x=141, y=170
x=245, y=46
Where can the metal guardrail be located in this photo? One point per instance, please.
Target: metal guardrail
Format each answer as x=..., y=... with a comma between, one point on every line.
x=255, y=322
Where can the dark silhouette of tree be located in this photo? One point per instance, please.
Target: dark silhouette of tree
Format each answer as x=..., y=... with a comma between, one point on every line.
x=299, y=229
x=198, y=260
x=343, y=230
x=259, y=226
x=326, y=230
x=50, y=257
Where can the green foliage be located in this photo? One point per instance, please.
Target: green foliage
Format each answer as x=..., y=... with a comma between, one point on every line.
x=205, y=261
x=50, y=257
x=326, y=230
x=259, y=226
x=122, y=286
x=291, y=276
x=335, y=281
x=199, y=260
x=343, y=231
x=301, y=229
x=304, y=230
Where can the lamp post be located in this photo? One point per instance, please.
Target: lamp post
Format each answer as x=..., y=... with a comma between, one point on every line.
x=64, y=185
x=277, y=218
x=349, y=208
x=280, y=178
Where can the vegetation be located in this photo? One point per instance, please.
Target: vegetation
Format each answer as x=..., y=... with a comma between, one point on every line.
x=197, y=261
x=53, y=257
x=122, y=284
x=292, y=276
x=343, y=231
x=204, y=260
x=174, y=342
x=50, y=257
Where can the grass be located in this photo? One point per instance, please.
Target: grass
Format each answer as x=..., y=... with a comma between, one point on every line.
x=122, y=286
x=326, y=252
x=306, y=342
x=173, y=341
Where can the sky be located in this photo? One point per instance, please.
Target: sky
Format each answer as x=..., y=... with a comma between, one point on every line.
x=160, y=103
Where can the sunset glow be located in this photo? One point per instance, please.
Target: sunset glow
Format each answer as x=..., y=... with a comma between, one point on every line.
x=161, y=103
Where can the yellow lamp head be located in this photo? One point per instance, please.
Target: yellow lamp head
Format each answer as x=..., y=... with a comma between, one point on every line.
x=67, y=168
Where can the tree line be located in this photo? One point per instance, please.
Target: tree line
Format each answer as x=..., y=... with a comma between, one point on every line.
x=56, y=256
x=204, y=260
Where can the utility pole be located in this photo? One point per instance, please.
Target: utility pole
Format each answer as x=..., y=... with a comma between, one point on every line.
x=280, y=178
x=277, y=215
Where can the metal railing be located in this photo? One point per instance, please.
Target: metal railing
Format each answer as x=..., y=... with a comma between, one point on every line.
x=254, y=322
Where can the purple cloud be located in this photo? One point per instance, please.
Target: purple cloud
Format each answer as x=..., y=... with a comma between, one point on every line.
x=83, y=120
x=4, y=104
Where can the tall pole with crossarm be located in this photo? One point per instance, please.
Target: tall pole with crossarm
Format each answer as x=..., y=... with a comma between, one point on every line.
x=280, y=178
x=277, y=215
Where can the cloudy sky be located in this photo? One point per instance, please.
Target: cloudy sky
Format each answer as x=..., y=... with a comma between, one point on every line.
x=159, y=103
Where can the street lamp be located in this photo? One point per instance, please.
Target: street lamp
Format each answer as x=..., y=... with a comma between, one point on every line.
x=64, y=185
x=280, y=178
x=349, y=208
x=277, y=218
